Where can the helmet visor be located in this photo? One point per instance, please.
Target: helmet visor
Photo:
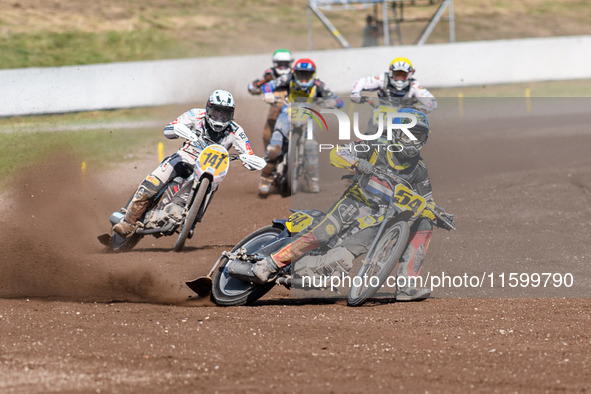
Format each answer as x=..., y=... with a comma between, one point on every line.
x=418, y=132
x=399, y=75
x=282, y=65
x=219, y=113
x=304, y=76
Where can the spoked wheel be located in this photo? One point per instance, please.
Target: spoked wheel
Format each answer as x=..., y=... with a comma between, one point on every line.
x=192, y=215
x=282, y=178
x=293, y=168
x=374, y=271
x=229, y=291
x=292, y=172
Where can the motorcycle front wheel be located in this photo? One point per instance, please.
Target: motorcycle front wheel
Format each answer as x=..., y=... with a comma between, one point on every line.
x=293, y=167
x=293, y=171
x=192, y=215
x=229, y=291
x=374, y=271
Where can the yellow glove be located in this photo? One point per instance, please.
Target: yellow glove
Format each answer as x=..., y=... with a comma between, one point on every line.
x=429, y=210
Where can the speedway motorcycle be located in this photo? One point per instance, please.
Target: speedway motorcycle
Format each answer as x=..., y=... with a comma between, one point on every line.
x=231, y=281
x=291, y=166
x=179, y=206
x=387, y=106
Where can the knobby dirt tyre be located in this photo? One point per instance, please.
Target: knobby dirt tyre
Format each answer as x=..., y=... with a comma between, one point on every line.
x=228, y=291
x=192, y=215
x=293, y=170
x=388, y=251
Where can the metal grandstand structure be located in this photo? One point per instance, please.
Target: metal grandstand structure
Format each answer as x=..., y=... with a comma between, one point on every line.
x=388, y=7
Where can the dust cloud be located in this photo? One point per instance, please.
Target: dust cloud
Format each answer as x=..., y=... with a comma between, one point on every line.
x=48, y=247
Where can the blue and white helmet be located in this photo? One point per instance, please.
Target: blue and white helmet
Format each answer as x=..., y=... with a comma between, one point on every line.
x=304, y=71
x=219, y=110
x=420, y=131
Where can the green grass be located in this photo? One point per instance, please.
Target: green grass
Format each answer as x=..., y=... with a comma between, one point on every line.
x=98, y=148
x=575, y=88
x=21, y=145
x=86, y=33
x=36, y=122
x=48, y=49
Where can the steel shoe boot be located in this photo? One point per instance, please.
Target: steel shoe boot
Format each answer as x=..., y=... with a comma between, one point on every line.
x=265, y=186
x=125, y=229
x=313, y=185
x=265, y=269
x=412, y=293
x=134, y=212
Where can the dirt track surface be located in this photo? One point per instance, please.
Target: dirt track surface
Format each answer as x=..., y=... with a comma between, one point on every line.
x=73, y=318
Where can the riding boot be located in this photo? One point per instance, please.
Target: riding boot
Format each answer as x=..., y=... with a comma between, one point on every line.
x=267, y=179
x=411, y=293
x=136, y=208
x=412, y=287
x=312, y=185
x=265, y=269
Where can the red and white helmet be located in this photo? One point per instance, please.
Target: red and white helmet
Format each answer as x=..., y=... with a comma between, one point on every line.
x=219, y=110
x=304, y=71
x=400, y=72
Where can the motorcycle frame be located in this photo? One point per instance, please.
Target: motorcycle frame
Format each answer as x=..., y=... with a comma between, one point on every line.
x=171, y=225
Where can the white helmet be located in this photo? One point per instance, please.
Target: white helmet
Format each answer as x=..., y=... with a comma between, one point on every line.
x=282, y=60
x=400, y=72
x=219, y=110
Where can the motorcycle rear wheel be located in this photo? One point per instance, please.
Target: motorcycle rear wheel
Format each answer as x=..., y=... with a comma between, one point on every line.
x=388, y=251
x=229, y=291
x=192, y=215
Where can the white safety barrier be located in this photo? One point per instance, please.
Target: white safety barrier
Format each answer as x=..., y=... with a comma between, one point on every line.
x=152, y=83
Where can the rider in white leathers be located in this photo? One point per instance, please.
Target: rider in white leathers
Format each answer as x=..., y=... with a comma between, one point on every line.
x=212, y=125
x=397, y=83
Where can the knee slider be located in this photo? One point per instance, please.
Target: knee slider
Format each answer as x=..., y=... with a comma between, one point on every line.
x=273, y=152
x=151, y=185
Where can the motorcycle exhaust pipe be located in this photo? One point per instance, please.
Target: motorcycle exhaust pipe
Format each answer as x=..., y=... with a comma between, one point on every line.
x=118, y=216
x=291, y=281
x=144, y=231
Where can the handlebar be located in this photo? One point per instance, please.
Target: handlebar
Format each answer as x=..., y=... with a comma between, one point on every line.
x=184, y=132
x=390, y=101
x=388, y=177
x=446, y=220
x=317, y=100
x=253, y=161
x=279, y=99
